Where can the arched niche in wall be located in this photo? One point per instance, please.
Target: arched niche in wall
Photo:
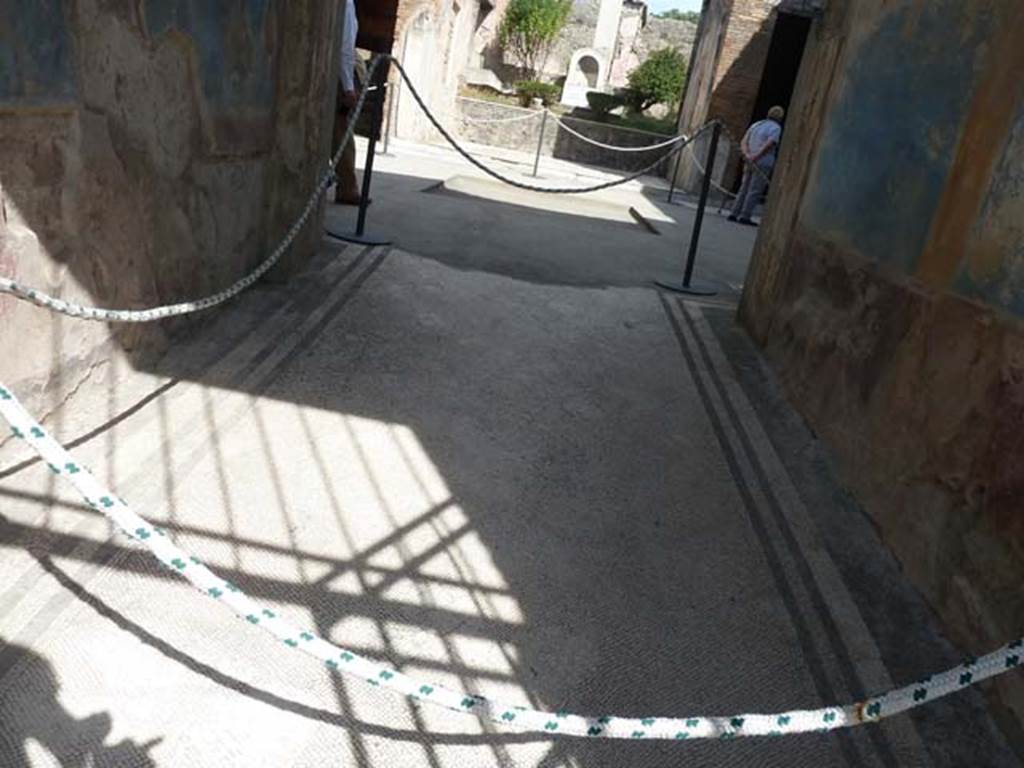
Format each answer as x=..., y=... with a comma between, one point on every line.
x=589, y=69
x=586, y=73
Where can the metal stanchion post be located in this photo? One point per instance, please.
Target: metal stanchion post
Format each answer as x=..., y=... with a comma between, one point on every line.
x=540, y=140
x=675, y=172
x=688, y=286
x=375, y=103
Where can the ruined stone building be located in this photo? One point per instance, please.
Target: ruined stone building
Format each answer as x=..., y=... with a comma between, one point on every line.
x=150, y=151
x=434, y=39
x=605, y=40
x=602, y=42
x=446, y=44
x=887, y=288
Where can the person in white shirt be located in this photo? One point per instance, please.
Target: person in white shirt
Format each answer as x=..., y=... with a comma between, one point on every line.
x=759, y=147
x=347, y=190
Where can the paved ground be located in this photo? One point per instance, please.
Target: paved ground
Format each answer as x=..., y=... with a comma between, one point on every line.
x=508, y=465
x=469, y=221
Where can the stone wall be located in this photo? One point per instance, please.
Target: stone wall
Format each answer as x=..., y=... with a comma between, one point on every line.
x=636, y=46
x=436, y=42
x=732, y=48
x=665, y=33
x=635, y=41
x=152, y=152
x=524, y=134
x=886, y=287
x=578, y=33
x=697, y=95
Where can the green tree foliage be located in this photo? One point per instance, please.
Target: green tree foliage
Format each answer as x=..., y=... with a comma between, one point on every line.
x=678, y=15
x=530, y=28
x=528, y=90
x=658, y=80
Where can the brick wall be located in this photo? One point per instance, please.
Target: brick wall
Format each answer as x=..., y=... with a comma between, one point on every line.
x=741, y=63
x=725, y=76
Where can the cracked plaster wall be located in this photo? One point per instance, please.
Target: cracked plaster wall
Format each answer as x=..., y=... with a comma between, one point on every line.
x=152, y=151
x=886, y=288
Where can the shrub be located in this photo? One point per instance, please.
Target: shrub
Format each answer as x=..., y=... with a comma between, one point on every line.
x=529, y=29
x=659, y=80
x=602, y=103
x=674, y=13
x=527, y=90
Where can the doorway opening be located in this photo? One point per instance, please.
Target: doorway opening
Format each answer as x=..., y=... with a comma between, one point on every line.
x=789, y=38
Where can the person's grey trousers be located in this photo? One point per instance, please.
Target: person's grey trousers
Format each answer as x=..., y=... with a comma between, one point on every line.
x=753, y=187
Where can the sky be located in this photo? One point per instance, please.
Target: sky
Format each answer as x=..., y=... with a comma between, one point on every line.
x=657, y=6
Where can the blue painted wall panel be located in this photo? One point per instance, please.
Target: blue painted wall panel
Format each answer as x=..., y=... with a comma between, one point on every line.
x=35, y=52
x=231, y=38
x=994, y=269
x=890, y=140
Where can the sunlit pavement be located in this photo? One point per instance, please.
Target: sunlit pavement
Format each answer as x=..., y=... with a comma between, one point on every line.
x=560, y=493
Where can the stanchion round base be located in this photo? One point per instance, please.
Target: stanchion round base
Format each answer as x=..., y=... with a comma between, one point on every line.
x=366, y=238
x=695, y=288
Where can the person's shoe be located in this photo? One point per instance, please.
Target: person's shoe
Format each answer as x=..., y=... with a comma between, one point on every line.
x=748, y=222
x=340, y=199
x=732, y=217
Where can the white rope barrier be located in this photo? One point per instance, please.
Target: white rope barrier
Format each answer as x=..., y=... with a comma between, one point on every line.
x=613, y=147
x=498, y=120
x=703, y=172
x=337, y=658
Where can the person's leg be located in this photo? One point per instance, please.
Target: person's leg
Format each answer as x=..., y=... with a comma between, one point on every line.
x=741, y=196
x=755, y=191
x=346, y=190
x=340, y=124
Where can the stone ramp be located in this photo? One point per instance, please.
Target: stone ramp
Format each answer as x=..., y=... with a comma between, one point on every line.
x=590, y=205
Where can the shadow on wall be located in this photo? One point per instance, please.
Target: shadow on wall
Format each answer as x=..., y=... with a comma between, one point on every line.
x=33, y=718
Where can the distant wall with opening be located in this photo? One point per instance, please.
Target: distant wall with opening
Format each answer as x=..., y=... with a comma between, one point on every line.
x=586, y=73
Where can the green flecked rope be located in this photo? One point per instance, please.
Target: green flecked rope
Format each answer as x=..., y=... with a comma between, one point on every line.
x=62, y=463
x=35, y=296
